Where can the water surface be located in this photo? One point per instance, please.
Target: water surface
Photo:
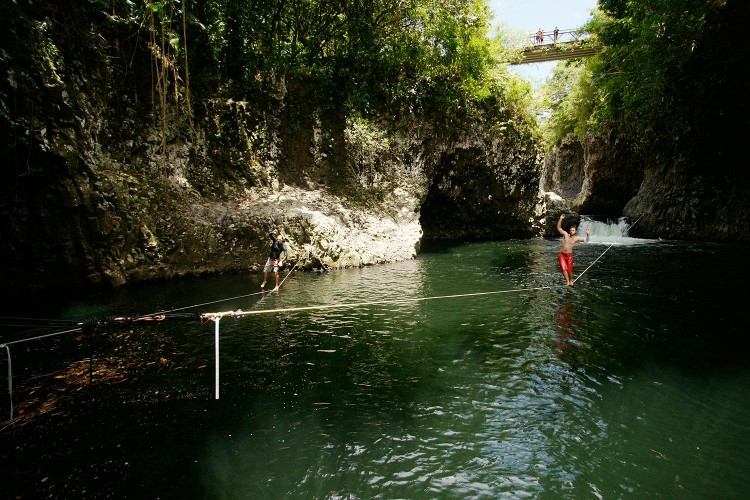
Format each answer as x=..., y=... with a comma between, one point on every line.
x=632, y=383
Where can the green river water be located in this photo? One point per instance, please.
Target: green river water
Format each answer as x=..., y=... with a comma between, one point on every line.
x=635, y=383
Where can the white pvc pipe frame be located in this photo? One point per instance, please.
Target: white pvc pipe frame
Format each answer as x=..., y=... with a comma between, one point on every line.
x=216, y=354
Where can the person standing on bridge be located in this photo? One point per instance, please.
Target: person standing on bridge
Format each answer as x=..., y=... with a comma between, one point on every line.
x=274, y=261
x=569, y=240
x=554, y=35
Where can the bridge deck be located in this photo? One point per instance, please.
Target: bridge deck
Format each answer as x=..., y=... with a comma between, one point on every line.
x=557, y=52
x=557, y=45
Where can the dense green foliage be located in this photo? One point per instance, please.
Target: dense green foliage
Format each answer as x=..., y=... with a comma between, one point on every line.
x=570, y=96
x=374, y=54
x=162, y=58
x=641, y=72
x=649, y=45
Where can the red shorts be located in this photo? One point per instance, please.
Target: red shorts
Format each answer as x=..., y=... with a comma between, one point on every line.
x=566, y=261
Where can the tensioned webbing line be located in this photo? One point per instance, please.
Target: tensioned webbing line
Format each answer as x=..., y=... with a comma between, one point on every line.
x=161, y=315
x=594, y=262
x=240, y=313
x=217, y=316
x=39, y=337
x=73, y=326
x=602, y=254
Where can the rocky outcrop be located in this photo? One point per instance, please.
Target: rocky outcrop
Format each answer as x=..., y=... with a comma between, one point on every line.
x=670, y=196
x=677, y=204
x=597, y=176
x=483, y=188
x=696, y=184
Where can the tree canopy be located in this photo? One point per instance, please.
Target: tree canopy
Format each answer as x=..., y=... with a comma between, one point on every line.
x=374, y=51
x=647, y=48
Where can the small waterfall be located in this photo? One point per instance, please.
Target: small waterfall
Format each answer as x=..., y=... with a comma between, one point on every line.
x=607, y=230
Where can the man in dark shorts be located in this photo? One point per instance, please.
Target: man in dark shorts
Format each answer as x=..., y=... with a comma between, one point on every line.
x=569, y=240
x=274, y=261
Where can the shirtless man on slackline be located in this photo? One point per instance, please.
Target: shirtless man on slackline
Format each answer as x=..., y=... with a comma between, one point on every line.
x=569, y=240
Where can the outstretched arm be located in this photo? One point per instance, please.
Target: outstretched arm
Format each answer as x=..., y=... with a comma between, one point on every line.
x=559, y=225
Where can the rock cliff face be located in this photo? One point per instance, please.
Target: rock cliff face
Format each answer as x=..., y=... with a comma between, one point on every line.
x=671, y=196
x=596, y=176
x=483, y=187
x=696, y=184
x=94, y=198
x=679, y=204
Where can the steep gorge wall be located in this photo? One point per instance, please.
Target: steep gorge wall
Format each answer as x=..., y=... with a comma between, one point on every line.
x=597, y=176
x=696, y=183
x=485, y=186
x=93, y=197
x=671, y=197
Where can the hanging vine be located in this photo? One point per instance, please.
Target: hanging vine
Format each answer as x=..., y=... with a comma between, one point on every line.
x=187, y=72
x=165, y=46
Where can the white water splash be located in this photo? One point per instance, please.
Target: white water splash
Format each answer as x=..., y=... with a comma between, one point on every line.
x=609, y=232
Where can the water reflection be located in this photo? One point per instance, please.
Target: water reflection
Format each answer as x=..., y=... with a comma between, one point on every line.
x=567, y=325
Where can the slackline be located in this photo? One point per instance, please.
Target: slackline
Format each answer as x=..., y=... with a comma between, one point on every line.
x=93, y=323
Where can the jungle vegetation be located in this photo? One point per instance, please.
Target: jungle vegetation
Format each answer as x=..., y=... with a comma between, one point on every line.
x=440, y=58
x=373, y=55
x=659, y=62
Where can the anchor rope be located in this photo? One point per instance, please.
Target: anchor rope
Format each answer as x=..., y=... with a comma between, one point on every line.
x=205, y=303
x=77, y=326
x=174, y=309
x=39, y=337
x=8, y=321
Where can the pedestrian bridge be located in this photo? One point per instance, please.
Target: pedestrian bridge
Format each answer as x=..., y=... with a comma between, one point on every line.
x=557, y=45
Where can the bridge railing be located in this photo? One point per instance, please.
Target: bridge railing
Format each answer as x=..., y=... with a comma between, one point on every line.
x=555, y=36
